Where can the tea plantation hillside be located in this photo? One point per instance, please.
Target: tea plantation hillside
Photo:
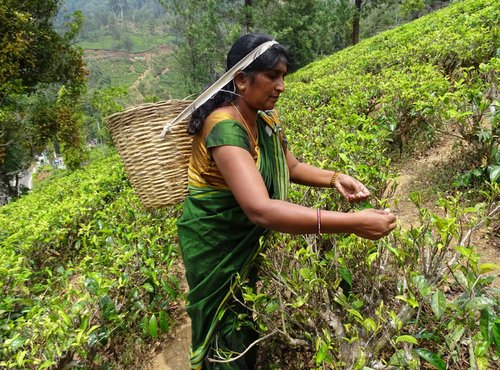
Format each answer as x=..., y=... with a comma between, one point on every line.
x=89, y=280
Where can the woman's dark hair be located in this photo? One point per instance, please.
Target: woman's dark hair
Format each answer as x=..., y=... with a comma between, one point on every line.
x=244, y=45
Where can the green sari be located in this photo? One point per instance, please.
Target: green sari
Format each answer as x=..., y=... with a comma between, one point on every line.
x=220, y=244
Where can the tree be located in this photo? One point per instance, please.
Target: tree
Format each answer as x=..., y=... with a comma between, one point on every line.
x=401, y=11
x=309, y=28
x=203, y=30
x=41, y=77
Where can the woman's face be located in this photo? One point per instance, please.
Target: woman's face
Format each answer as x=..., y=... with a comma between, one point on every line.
x=263, y=90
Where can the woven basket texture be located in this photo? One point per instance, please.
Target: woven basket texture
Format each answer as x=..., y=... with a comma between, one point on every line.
x=156, y=167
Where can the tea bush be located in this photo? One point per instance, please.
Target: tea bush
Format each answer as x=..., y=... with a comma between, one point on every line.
x=420, y=295
x=85, y=268
x=435, y=73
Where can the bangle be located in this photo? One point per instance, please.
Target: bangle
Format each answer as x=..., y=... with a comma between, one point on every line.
x=334, y=178
x=318, y=219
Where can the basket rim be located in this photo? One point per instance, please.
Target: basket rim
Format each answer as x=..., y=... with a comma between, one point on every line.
x=145, y=105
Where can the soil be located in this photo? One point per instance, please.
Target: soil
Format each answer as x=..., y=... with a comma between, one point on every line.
x=174, y=352
x=412, y=175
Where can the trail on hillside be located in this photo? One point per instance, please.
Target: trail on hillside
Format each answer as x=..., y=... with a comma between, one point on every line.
x=412, y=177
x=104, y=54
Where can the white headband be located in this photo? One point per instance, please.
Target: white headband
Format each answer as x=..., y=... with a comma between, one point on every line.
x=219, y=84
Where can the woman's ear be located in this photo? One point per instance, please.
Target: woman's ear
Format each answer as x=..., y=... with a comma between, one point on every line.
x=240, y=81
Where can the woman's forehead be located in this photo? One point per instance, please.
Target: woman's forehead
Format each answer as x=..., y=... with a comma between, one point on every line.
x=281, y=67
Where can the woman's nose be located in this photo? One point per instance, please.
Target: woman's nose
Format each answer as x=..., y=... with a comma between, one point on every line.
x=280, y=85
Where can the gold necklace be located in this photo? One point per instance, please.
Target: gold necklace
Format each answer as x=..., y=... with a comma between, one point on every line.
x=254, y=140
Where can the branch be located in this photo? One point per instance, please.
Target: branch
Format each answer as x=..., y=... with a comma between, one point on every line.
x=465, y=239
x=245, y=351
x=7, y=143
x=404, y=316
x=407, y=312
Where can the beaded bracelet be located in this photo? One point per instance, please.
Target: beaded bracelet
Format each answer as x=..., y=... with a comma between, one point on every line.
x=334, y=178
x=318, y=219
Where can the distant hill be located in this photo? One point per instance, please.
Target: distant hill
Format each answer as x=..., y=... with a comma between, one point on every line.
x=129, y=25
x=145, y=74
x=125, y=43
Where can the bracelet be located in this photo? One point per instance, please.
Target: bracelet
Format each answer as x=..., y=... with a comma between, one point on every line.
x=318, y=219
x=334, y=178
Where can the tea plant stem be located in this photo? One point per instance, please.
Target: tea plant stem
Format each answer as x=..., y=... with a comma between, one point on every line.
x=466, y=239
x=282, y=310
x=404, y=316
x=245, y=351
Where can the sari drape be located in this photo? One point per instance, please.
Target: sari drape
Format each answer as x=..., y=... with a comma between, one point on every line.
x=219, y=243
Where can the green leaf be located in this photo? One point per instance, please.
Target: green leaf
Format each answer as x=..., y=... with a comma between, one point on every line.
x=153, y=327
x=488, y=267
x=344, y=158
x=455, y=336
x=486, y=322
x=409, y=300
x=371, y=258
x=431, y=358
x=272, y=306
x=355, y=313
x=321, y=352
x=422, y=285
x=479, y=303
x=466, y=252
x=149, y=287
x=144, y=325
x=438, y=303
x=496, y=334
x=494, y=173
x=346, y=275
x=480, y=348
x=306, y=273
x=162, y=318
x=407, y=339
x=20, y=357
x=46, y=364
x=364, y=204
x=369, y=325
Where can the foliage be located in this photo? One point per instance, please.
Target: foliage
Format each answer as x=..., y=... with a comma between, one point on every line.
x=395, y=91
x=138, y=24
x=201, y=36
x=83, y=267
x=408, y=84
x=309, y=28
x=40, y=73
x=344, y=303
x=413, y=298
x=86, y=272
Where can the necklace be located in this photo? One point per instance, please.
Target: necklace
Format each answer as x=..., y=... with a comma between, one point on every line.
x=254, y=140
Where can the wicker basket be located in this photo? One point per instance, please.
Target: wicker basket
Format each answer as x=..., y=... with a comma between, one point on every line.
x=156, y=167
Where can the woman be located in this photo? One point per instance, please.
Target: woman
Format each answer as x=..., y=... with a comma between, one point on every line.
x=238, y=179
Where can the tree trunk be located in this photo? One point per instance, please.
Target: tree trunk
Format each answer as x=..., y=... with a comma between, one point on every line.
x=355, y=21
x=248, y=15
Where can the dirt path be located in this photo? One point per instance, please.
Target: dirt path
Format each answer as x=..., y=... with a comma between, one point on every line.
x=174, y=355
x=105, y=54
x=413, y=177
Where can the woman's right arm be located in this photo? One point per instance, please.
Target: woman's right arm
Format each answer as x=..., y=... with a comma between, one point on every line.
x=240, y=173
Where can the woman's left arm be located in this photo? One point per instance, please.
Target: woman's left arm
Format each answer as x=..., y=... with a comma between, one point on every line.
x=305, y=174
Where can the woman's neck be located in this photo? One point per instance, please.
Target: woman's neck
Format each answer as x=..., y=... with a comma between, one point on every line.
x=248, y=113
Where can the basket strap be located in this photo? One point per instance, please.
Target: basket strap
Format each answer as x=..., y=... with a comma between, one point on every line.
x=219, y=84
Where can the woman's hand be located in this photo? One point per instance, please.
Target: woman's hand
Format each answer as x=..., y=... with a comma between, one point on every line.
x=374, y=224
x=350, y=188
